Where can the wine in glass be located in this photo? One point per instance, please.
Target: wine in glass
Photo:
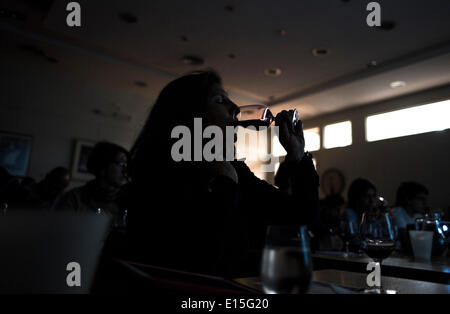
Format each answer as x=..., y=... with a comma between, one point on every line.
x=257, y=116
x=377, y=238
x=286, y=266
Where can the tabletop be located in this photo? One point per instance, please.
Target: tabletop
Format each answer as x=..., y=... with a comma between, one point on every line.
x=436, y=270
x=344, y=282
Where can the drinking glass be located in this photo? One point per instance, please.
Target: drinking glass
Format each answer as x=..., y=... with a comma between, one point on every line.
x=377, y=238
x=348, y=231
x=257, y=115
x=286, y=266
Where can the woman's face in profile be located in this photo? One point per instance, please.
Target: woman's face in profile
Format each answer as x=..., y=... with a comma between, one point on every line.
x=220, y=109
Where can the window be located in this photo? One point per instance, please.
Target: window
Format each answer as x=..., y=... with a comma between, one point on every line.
x=414, y=120
x=251, y=144
x=337, y=135
x=277, y=148
x=312, y=139
x=312, y=142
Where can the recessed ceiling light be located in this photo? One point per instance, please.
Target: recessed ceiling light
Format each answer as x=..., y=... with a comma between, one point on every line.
x=140, y=84
x=128, y=17
x=372, y=63
x=281, y=32
x=192, y=60
x=272, y=72
x=229, y=8
x=397, y=84
x=320, y=52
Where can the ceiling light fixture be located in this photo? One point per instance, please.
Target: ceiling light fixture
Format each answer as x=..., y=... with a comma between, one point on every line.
x=229, y=8
x=192, y=60
x=128, y=17
x=397, y=84
x=140, y=83
x=281, y=32
x=320, y=52
x=372, y=64
x=115, y=114
x=272, y=72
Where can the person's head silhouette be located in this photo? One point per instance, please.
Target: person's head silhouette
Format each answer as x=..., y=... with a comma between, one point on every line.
x=196, y=95
x=109, y=163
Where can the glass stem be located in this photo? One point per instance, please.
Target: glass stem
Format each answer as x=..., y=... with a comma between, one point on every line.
x=378, y=261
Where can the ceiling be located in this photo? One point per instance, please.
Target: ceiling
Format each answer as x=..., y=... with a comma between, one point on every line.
x=108, y=51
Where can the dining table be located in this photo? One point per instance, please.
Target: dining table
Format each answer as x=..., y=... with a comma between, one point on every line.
x=331, y=281
x=337, y=272
x=397, y=265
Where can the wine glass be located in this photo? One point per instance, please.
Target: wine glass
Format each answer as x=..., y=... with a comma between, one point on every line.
x=257, y=115
x=286, y=266
x=348, y=231
x=377, y=238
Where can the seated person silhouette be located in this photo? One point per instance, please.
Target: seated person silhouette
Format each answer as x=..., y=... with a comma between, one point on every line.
x=411, y=203
x=108, y=162
x=45, y=193
x=362, y=196
x=199, y=216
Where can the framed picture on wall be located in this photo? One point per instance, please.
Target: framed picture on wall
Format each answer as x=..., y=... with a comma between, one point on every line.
x=80, y=157
x=15, y=153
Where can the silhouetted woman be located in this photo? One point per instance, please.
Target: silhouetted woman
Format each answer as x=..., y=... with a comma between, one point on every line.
x=198, y=215
x=361, y=197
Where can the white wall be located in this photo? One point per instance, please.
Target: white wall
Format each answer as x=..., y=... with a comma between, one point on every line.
x=424, y=158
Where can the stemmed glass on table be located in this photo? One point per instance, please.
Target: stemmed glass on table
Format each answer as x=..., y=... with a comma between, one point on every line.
x=348, y=231
x=377, y=238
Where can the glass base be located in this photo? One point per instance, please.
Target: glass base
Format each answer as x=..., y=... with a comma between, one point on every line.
x=379, y=290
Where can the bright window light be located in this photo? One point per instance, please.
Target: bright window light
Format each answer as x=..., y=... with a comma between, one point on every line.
x=337, y=135
x=277, y=149
x=251, y=145
x=312, y=142
x=312, y=139
x=414, y=120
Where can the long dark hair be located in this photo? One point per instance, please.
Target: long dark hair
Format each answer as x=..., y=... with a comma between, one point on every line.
x=357, y=189
x=179, y=103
